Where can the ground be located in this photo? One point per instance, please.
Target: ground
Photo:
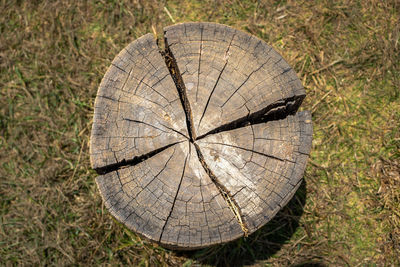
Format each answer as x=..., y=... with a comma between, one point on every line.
x=52, y=57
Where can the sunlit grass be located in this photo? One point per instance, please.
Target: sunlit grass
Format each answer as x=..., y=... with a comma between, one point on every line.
x=53, y=56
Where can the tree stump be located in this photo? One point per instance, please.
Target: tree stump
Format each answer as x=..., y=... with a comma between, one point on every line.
x=200, y=143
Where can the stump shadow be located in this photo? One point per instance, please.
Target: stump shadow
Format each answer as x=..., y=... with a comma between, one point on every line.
x=260, y=245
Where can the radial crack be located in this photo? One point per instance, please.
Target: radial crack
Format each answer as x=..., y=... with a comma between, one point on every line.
x=198, y=69
x=250, y=150
x=219, y=77
x=212, y=92
x=176, y=196
x=172, y=66
x=275, y=111
x=145, y=123
x=248, y=78
x=132, y=162
x=230, y=201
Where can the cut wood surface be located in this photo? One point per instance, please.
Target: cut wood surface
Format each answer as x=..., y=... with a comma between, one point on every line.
x=200, y=143
x=137, y=108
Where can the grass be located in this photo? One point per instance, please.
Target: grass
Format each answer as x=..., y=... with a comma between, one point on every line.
x=53, y=56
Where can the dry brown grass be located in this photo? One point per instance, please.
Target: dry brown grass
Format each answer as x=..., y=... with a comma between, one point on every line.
x=388, y=195
x=52, y=57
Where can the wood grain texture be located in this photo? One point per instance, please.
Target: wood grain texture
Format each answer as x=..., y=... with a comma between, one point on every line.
x=199, y=144
x=137, y=108
x=261, y=165
x=228, y=73
x=170, y=198
x=200, y=216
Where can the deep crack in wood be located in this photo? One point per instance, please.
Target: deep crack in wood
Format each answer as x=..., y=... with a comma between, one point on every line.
x=224, y=192
x=199, y=143
x=180, y=86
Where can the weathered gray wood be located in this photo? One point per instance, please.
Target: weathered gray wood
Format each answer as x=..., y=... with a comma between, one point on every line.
x=228, y=74
x=170, y=198
x=200, y=216
x=261, y=165
x=142, y=196
x=199, y=144
x=137, y=108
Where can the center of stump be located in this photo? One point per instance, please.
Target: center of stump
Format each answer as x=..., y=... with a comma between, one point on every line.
x=200, y=143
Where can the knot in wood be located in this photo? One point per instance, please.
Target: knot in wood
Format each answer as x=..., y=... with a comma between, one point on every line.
x=201, y=143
